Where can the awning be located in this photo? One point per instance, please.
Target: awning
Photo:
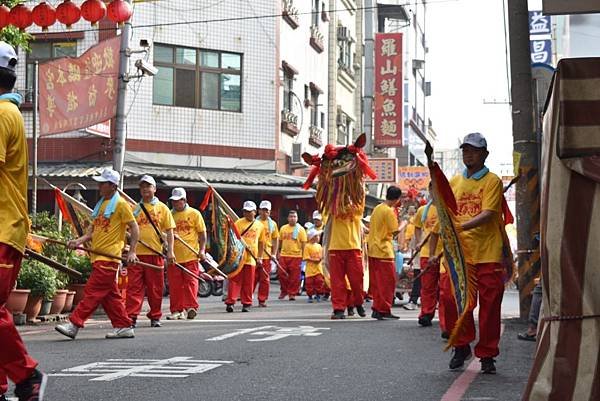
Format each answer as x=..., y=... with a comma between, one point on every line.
x=263, y=189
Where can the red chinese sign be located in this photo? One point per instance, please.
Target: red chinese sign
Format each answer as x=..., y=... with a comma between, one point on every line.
x=389, y=125
x=76, y=93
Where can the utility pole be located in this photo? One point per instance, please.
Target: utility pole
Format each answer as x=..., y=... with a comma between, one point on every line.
x=120, y=134
x=526, y=146
x=34, y=139
x=369, y=75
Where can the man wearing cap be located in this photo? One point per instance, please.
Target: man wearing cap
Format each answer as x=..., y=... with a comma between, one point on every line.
x=183, y=288
x=478, y=194
x=254, y=237
x=112, y=217
x=154, y=218
x=382, y=228
x=292, y=238
x=15, y=362
x=263, y=276
x=317, y=220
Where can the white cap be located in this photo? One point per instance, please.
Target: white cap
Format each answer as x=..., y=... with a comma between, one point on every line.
x=308, y=225
x=8, y=56
x=312, y=233
x=148, y=179
x=317, y=215
x=249, y=206
x=178, y=194
x=476, y=140
x=265, y=205
x=108, y=175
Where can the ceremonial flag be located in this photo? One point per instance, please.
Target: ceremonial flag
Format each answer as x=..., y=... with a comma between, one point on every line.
x=73, y=211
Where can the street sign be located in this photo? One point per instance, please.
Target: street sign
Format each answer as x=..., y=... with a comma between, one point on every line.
x=571, y=6
x=112, y=369
x=272, y=333
x=385, y=168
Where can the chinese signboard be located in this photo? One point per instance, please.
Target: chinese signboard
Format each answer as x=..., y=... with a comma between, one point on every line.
x=385, y=170
x=571, y=6
x=77, y=93
x=540, y=30
x=389, y=124
x=413, y=177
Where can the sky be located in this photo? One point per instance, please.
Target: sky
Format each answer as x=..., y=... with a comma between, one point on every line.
x=467, y=67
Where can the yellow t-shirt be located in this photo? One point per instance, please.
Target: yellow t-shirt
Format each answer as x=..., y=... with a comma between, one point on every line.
x=436, y=230
x=313, y=251
x=108, y=235
x=289, y=246
x=272, y=235
x=162, y=217
x=484, y=243
x=346, y=232
x=427, y=226
x=188, y=225
x=384, y=224
x=14, y=219
x=251, y=238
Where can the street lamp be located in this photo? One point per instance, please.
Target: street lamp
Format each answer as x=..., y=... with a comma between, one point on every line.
x=77, y=195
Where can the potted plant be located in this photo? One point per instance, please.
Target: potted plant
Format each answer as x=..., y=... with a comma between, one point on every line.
x=60, y=297
x=41, y=280
x=81, y=263
x=17, y=300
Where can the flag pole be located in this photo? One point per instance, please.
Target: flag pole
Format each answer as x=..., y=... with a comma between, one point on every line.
x=34, y=133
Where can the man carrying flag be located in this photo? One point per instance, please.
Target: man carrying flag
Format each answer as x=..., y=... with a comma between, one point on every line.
x=263, y=275
x=15, y=362
x=183, y=288
x=153, y=218
x=254, y=237
x=478, y=194
x=291, y=248
x=112, y=216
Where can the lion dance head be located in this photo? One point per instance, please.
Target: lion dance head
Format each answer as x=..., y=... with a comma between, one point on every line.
x=340, y=171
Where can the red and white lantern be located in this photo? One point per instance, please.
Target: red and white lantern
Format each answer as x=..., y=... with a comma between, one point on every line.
x=4, y=16
x=68, y=13
x=44, y=15
x=93, y=11
x=119, y=11
x=20, y=16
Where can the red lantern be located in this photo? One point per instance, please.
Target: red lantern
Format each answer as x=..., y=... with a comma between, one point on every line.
x=4, y=16
x=119, y=11
x=44, y=15
x=68, y=13
x=93, y=11
x=20, y=16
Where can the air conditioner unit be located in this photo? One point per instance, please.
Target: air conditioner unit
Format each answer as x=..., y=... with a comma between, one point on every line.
x=342, y=119
x=296, y=153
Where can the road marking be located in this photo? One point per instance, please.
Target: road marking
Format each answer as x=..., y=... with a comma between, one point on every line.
x=273, y=333
x=460, y=386
x=113, y=369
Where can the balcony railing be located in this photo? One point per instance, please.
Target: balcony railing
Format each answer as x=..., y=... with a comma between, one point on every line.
x=290, y=13
x=315, y=137
x=316, y=39
x=289, y=123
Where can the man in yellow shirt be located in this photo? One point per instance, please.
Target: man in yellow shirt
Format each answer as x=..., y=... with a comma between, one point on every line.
x=154, y=218
x=313, y=274
x=254, y=237
x=425, y=220
x=112, y=217
x=183, y=288
x=292, y=238
x=382, y=228
x=15, y=362
x=478, y=194
x=263, y=275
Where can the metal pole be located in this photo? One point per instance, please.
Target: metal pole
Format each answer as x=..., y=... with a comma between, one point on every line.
x=120, y=134
x=525, y=144
x=369, y=73
x=34, y=134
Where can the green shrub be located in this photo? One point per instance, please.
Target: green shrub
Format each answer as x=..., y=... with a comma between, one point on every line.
x=37, y=277
x=82, y=264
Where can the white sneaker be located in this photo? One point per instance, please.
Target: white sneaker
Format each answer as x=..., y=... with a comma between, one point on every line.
x=409, y=306
x=191, y=313
x=174, y=316
x=67, y=329
x=124, y=332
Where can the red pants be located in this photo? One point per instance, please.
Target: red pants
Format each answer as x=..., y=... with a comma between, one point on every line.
x=101, y=289
x=447, y=307
x=383, y=286
x=183, y=288
x=314, y=285
x=241, y=286
x=15, y=363
x=262, y=280
x=344, y=263
x=290, y=284
x=144, y=278
x=490, y=288
x=429, y=288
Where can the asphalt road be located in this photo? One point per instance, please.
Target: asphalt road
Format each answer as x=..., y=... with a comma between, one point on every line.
x=288, y=351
